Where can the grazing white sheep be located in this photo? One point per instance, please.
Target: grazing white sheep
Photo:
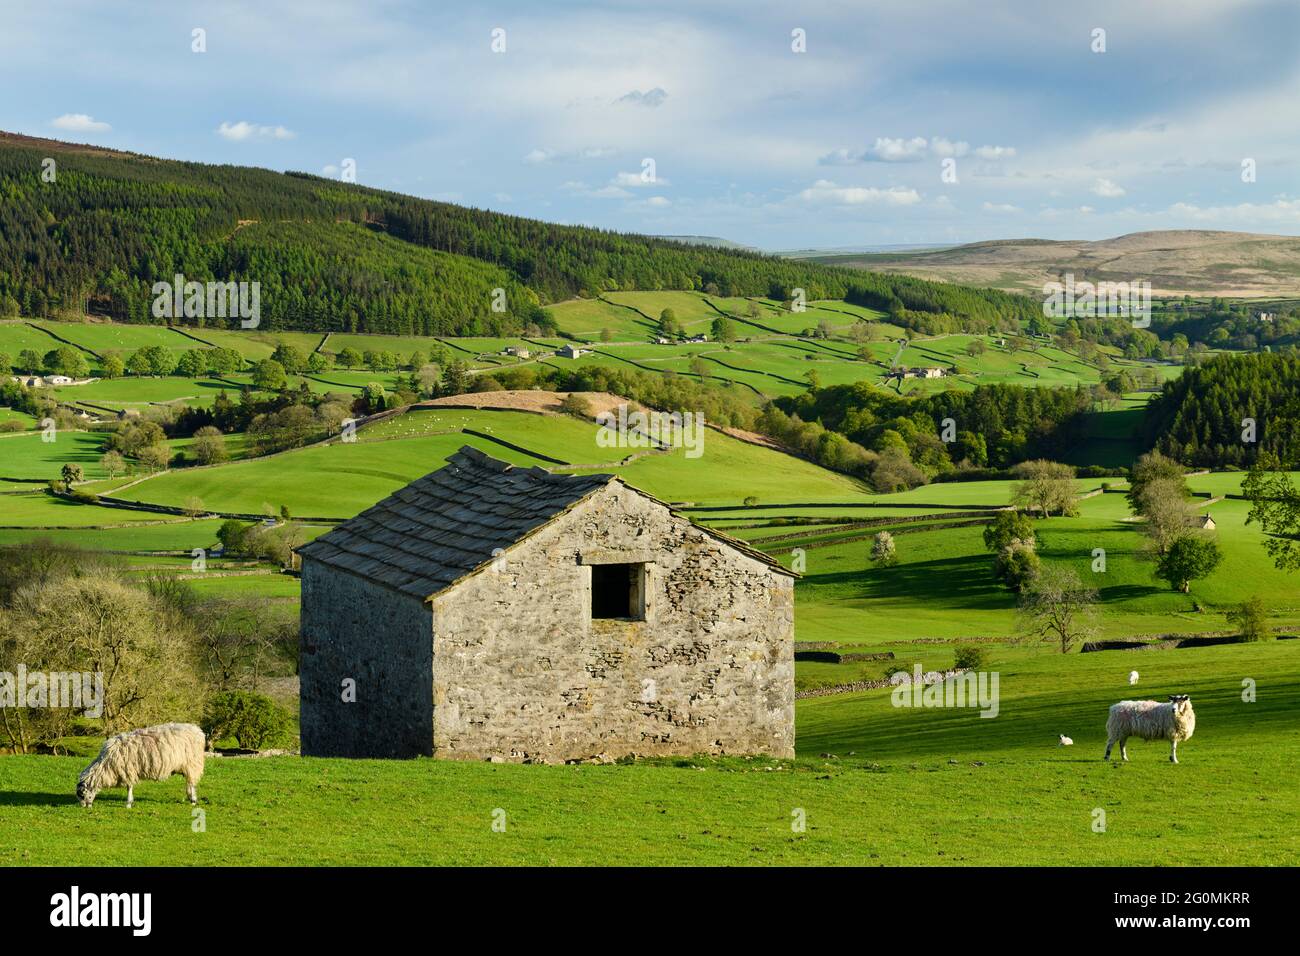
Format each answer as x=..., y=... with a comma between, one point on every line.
x=1132, y=678
x=154, y=753
x=1148, y=720
x=1066, y=741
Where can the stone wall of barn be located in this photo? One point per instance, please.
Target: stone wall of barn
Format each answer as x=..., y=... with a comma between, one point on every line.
x=522, y=672
x=355, y=630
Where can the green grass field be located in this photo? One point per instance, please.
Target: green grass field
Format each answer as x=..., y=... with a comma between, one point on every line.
x=30, y=456
x=362, y=472
x=771, y=357
x=906, y=786
x=134, y=392
x=17, y=336
x=102, y=337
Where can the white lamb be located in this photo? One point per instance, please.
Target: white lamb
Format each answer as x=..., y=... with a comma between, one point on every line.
x=1065, y=741
x=1148, y=720
x=1132, y=678
x=154, y=753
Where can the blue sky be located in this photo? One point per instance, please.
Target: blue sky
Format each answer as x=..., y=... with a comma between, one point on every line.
x=841, y=145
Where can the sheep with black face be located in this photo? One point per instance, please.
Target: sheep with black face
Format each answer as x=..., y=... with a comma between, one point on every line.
x=1173, y=721
x=153, y=753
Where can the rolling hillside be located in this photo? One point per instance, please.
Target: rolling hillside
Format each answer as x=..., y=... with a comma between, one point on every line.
x=335, y=256
x=1175, y=262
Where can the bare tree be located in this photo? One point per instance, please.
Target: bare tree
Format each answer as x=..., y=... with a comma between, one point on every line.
x=1056, y=606
x=236, y=636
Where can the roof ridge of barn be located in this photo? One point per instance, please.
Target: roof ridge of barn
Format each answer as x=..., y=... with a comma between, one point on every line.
x=432, y=533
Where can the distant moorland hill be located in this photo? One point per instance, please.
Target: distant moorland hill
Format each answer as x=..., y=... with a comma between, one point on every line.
x=1175, y=262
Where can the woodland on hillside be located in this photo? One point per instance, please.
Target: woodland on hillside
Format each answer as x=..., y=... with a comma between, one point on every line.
x=334, y=256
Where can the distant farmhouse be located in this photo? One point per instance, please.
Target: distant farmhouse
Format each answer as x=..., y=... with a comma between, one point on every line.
x=1206, y=522
x=568, y=351
x=488, y=611
x=37, y=381
x=918, y=372
x=518, y=351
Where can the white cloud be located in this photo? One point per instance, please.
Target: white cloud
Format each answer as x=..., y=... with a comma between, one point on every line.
x=942, y=147
x=995, y=152
x=658, y=202
x=841, y=157
x=540, y=154
x=1280, y=210
x=1000, y=207
x=610, y=192
x=651, y=98
x=1054, y=212
x=897, y=150
x=825, y=191
x=635, y=181
x=79, y=123
x=1107, y=189
x=329, y=170
x=911, y=150
x=238, y=132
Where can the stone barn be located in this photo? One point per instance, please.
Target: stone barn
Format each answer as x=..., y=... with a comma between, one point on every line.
x=488, y=611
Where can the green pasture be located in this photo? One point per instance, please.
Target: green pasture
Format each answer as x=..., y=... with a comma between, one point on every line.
x=17, y=337
x=942, y=585
x=102, y=337
x=335, y=480
x=170, y=534
x=36, y=509
x=905, y=786
x=133, y=391
x=691, y=308
x=30, y=456
x=587, y=319
x=13, y=415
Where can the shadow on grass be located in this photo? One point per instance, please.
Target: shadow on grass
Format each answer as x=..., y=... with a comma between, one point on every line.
x=1029, y=722
x=966, y=581
x=18, y=798
x=1125, y=592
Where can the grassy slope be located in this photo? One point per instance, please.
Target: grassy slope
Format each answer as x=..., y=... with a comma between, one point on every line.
x=30, y=456
x=769, y=359
x=923, y=787
x=360, y=473
x=942, y=585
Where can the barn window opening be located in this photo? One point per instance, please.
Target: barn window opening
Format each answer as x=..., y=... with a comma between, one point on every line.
x=616, y=591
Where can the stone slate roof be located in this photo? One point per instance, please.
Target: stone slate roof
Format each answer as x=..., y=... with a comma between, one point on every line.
x=430, y=534
x=425, y=537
